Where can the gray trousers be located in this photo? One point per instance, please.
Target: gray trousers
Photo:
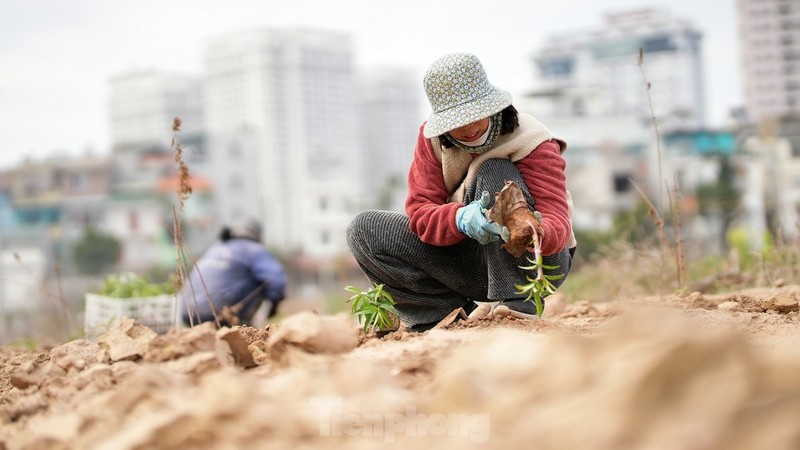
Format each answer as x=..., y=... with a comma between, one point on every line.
x=428, y=281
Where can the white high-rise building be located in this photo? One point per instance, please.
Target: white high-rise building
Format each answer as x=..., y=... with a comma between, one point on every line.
x=144, y=103
x=391, y=114
x=283, y=134
x=770, y=36
x=596, y=72
x=590, y=89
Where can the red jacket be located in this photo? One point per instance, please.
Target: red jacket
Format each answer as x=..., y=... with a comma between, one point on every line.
x=433, y=219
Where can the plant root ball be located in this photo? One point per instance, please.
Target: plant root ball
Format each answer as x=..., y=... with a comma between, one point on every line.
x=510, y=209
x=520, y=232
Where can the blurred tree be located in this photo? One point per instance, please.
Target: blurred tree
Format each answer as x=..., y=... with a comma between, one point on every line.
x=636, y=225
x=95, y=252
x=633, y=226
x=721, y=198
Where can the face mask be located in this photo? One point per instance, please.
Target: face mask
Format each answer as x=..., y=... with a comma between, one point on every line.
x=487, y=139
x=481, y=140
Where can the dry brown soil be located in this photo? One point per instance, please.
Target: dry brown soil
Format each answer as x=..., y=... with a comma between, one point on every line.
x=683, y=372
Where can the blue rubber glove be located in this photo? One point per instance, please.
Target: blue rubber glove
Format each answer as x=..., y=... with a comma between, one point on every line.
x=471, y=220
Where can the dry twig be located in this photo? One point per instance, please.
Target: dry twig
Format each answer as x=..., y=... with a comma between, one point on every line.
x=183, y=190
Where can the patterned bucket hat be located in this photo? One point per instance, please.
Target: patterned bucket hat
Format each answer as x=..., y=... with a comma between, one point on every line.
x=460, y=93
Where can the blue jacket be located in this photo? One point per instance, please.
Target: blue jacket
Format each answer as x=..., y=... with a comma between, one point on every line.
x=232, y=271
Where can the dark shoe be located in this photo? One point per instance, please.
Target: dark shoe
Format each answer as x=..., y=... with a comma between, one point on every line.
x=421, y=327
x=469, y=306
x=517, y=308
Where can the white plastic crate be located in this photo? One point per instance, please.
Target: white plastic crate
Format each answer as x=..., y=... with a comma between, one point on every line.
x=159, y=313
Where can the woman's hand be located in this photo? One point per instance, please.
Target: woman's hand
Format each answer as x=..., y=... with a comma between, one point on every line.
x=471, y=220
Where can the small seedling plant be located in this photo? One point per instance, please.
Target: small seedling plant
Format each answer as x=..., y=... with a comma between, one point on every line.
x=374, y=308
x=541, y=285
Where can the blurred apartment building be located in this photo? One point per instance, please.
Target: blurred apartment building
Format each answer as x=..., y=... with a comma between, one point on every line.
x=143, y=104
x=590, y=89
x=770, y=46
x=44, y=207
x=596, y=72
x=283, y=134
x=391, y=113
x=55, y=197
x=770, y=53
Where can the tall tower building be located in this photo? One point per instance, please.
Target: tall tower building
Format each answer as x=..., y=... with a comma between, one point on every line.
x=143, y=105
x=770, y=36
x=283, y=134
x=391, y=113
x=595, y=72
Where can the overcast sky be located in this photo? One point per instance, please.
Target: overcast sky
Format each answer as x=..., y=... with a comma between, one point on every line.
x=57, y=55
